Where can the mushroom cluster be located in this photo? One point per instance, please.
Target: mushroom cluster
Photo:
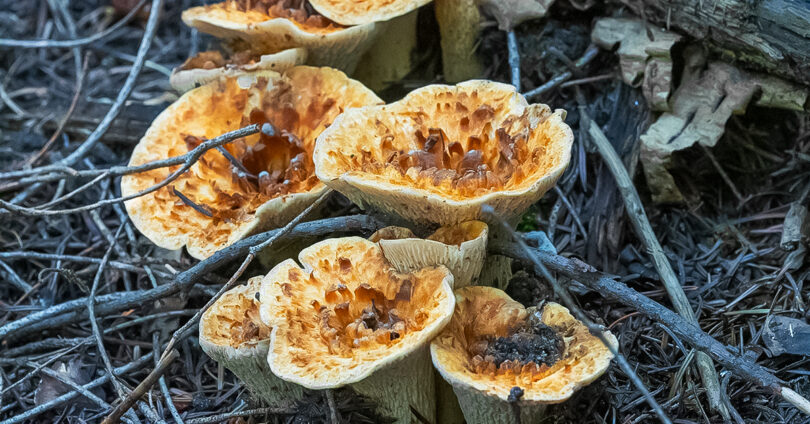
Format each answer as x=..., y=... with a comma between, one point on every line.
x=404, y=320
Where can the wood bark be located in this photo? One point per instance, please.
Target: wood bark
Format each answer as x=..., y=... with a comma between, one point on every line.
x=770, y=36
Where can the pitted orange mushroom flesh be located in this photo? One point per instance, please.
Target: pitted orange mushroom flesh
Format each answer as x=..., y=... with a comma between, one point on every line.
x=234, y=319
x=450, y=235
x=353, y=12
x=216, y=201
x=494, y=344
x=300, y=12
x=349, y=311
x=215, y=59
x=458, y=142
x=458, y=234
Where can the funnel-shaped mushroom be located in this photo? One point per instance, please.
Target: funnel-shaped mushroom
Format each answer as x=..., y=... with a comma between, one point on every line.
x=232, y=333
x=212, y=65
x=442, y=152
x=461, y=248
x=494, y=347
x=349, y=318
x=353, y=12
x=215, y=202
x=273, y=25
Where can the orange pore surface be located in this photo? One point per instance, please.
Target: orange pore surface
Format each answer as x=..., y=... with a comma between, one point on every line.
x=234, y=319
x=256, y=11
x=484, y=313
x=352, y=308
x=458, y=142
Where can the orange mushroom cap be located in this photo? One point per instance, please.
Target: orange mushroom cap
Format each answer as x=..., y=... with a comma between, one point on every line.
x=348, y=313
x=353, y=12
x=483, y=313
x=273, y=25
x=442, y=152
x=211, y=206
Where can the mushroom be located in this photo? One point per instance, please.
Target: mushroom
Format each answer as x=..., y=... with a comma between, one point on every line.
x=212, y=65
x=254, y=183
x=349, y=318
x=461, y=248
x=459, y=23
x=274, y=25
x=442, y=152
x=353, y=12
x=504, y=360
x=232, y=333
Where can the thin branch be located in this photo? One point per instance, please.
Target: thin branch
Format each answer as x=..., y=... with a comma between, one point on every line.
x=35, y=44
x=586, y=58
x=61, y=400
x=115, y=109
x=141, y=389
x=246, y=413
x=514, y=58
x=190, y=160
x=641, y=225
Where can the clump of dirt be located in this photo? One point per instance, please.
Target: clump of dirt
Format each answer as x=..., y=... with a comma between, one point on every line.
x=532, y=343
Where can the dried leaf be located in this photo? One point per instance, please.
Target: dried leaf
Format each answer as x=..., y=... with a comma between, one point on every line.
x=50, y=388
x=643, y=51
x=786, y=335
x=511, y=13
x=700, y=107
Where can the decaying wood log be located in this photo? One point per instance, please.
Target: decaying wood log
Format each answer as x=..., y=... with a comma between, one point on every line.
x=771, y=36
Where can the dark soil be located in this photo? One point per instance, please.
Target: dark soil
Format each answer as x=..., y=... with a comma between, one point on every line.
x=533, y=342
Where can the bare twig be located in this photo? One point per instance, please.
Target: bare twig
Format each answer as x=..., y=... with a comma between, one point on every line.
x=112, y=113
x=189, y=161
x=246, y=413
x=586, y=58
x=514, y=58
x=638, y=217
x=34, y=44
x=91, y=313
x=141, y=389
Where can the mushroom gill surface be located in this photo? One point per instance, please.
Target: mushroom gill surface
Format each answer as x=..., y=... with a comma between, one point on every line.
x=446, y=147
x=268, y=178
x=349, y=313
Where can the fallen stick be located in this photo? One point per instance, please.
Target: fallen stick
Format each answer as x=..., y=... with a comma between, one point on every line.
x=75, y=310
x=642, y=227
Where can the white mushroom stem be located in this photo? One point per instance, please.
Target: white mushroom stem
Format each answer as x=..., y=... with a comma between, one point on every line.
x=458, y=26
x=249, y=364
x=409, y=383
x=482, y=409
x=390, y=58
